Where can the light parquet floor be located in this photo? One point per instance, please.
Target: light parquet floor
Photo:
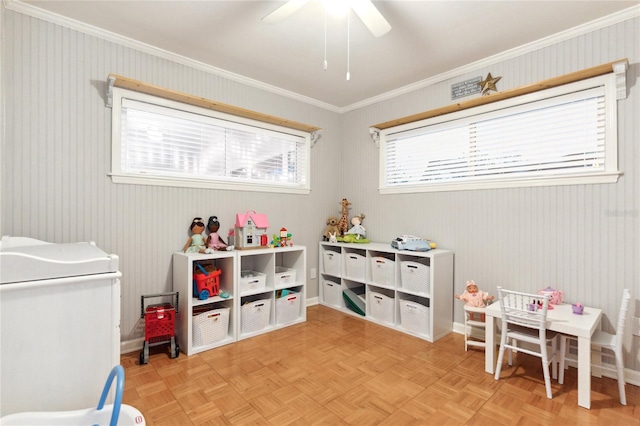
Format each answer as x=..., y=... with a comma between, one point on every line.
x=336, y=369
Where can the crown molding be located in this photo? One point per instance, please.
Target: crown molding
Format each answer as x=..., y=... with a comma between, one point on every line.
x=35, y=12
x=615, y=18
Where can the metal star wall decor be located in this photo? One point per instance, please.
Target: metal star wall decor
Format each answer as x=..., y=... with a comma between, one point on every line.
x=489, y=84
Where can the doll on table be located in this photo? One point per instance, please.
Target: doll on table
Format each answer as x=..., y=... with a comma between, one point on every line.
x=474, y=297
x=215, y=241
x=195, y=243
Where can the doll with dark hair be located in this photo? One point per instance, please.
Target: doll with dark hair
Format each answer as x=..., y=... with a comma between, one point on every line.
x=195, y=243
x=215, y=241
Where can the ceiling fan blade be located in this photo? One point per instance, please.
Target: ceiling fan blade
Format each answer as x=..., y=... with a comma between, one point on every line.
x=371, y=17
x=284, y=11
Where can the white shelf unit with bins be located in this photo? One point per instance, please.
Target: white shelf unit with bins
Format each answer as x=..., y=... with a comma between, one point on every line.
x=405, y=290
x=205, y=324
x=263, y=275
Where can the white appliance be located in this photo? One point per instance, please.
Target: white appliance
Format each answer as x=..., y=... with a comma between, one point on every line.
x=59, y=324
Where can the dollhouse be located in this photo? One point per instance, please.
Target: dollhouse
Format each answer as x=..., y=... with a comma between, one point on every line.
x=249, y=230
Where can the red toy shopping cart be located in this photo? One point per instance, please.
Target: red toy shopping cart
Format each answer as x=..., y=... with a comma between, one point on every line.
x=159, y=325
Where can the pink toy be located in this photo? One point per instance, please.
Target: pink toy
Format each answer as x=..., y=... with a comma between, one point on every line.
x=214, y=241
x=472, y=296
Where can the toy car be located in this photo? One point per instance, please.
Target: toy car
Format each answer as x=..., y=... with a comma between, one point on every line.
x=409, y=242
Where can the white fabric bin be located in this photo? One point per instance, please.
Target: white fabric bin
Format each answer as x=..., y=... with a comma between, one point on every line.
x=331, y=292
x=415, y=277
x=383, y=271
x=331, y=263
x=381, y=307
x=414, y=316
x=210, y=327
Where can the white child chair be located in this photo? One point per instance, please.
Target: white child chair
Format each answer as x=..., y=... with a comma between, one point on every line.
x=613, y=342
x=474, y=327
x=523, y=320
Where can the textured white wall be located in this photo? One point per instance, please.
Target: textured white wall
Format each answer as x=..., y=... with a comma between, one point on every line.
x=56, y=157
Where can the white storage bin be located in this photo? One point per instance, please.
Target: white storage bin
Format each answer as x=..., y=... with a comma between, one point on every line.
x=285, y=276
x=383, y=271
x=355, y=266
x=210, y=327
x=288, y=308
x=252, y=281
x=414, y=276
x=414, y=316
x=255, y=315
x=381, y=307
x=332, y=292
x=331, y=263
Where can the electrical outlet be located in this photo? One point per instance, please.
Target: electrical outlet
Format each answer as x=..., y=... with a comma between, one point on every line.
x=312, y=273
x=635, y=326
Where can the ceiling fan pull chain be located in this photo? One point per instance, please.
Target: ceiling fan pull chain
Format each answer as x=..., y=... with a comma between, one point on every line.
x=348, y=42
x=325, y=39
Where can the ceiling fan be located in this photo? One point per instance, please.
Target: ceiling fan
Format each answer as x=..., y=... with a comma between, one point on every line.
x=366, y=11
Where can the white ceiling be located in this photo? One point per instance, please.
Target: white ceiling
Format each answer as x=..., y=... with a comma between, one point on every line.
x=427, y=38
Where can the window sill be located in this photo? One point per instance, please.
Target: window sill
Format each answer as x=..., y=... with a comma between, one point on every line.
x=601, y=178
x=131, y=179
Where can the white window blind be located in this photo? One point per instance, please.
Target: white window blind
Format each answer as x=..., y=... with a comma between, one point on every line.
x=181, y=145
x=560, y=134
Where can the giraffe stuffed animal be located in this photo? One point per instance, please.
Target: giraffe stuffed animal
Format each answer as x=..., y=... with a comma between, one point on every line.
x=343, y=224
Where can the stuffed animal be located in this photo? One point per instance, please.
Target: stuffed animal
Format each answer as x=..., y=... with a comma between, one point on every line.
x=331, y=228
x=332, y=237
x=472, y=296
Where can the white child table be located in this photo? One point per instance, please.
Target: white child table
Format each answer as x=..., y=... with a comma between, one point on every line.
x=561, y=319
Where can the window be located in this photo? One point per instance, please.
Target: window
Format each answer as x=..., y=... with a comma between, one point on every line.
x=564, y=135
x=157, y=141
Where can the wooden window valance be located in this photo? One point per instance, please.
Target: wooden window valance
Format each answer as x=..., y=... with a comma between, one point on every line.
x=115, y=80
x=619, y=67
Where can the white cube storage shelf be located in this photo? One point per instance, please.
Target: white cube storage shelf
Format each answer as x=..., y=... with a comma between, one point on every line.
x=248, y=278
x=411, y=292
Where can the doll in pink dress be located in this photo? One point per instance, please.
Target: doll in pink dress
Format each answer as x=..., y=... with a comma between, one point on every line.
x=473, y=296
x=214, y=241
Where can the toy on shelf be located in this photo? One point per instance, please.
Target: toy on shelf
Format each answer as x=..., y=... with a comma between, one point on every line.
x=412, y=243
x=215, y=241
x=473, y=296
x=196, y=242
x=249, y=228
x=357, y=233
x=343, y=223
x=331, y=228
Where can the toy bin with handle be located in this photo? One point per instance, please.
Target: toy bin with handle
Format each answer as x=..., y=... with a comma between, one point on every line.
x=206, y=281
